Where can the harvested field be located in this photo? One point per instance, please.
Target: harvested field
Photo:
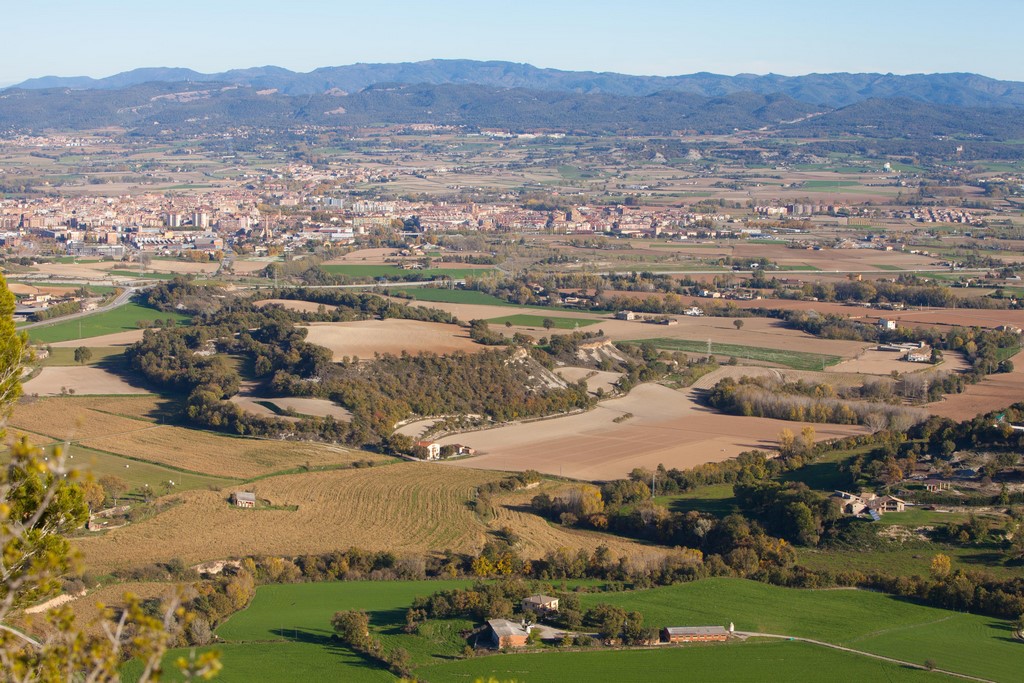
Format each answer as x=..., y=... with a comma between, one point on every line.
x=911, y=318
x=317, y=407
x=415, y=507
x=756, y=332
x=83, y=380
x=874, y=362
x=667, y=427
x=368, y=256
x=115, y=339
x=415, y=428
x=252, y=405
x=992, y=393
x=364, y=338
x=73, y=419
x=293, y=305
x=785, y=374
x=219, y=455
x=596, y=379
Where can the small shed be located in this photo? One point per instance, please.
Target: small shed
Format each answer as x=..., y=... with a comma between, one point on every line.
x=243, y=499
x=694, y=634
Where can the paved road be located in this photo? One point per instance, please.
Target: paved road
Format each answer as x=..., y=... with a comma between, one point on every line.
x=912, y=665
x=121, y=299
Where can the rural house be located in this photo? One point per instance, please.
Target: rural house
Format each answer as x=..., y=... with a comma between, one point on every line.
x=694, y=634
x=884, y=504
x=243, y=499
x=432, y=448
x=540, y=604
x=506, y=634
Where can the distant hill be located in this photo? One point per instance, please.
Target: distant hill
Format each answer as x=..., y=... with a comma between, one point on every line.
x=823, y=90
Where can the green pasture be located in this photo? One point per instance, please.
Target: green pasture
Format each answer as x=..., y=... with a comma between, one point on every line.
x=862, y=620
x=120, y=319
x=750, y=662
x=798, y=360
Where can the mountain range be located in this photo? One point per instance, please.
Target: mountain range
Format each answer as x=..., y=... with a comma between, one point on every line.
x=823, y=90
x=917, y=110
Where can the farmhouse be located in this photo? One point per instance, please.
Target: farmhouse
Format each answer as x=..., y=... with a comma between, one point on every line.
x=626, y=315
x=694, y=634
x=884, y=504
x=922, y=355
x=243, y=499
x=540, y=604
x=432, y=448
x=506, y=634
x=853, y=504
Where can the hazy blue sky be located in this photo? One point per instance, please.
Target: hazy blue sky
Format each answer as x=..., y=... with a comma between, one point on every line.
x=102, y=37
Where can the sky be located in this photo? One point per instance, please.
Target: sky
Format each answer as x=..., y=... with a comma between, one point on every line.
x=651, y=37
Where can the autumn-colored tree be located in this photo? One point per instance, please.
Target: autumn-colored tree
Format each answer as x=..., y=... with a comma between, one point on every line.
x=941, y=566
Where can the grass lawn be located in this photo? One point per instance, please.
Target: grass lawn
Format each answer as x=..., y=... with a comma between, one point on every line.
x=798, y=360
x=824, y=474
x=909, y=559
x=717, y=499
x=284, y=634
x=828, y=184
x=138, y=473
x=120, y=319
x=733, y=663
x=885, y=266
x=524, y=320
x=873, y=622
x=285, y=661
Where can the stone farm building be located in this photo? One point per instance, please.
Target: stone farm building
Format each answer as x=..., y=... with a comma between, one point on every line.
x=243, y=499
x=507, y=634
x=694, y=634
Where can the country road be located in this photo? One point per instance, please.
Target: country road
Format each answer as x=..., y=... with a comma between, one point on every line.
x=912, y=665
x=121, y=299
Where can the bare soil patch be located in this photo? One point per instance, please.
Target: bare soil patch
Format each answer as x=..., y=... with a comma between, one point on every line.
x=364, y=338
x=992, y=393
x=596, y=379
x=116, y=339
x=84, y=380
x=667, y=427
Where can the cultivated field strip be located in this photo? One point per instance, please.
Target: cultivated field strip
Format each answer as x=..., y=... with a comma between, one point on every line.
x=406, y=507
x=218, y=455
x=73, y=419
